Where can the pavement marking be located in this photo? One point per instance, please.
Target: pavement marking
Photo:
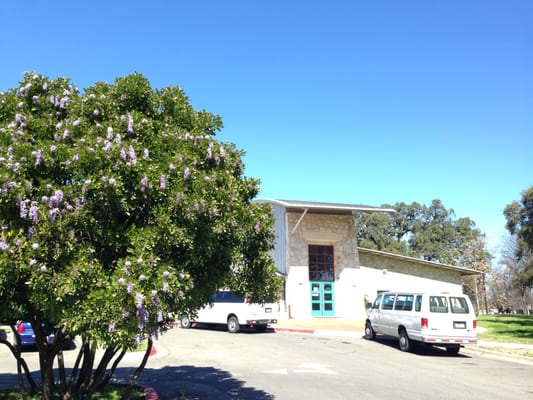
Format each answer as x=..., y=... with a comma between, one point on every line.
x=304, y=368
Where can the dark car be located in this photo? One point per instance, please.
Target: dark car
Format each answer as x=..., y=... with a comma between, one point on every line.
x=27, y=335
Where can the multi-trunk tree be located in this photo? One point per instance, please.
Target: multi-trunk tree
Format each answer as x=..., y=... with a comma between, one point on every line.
x=119, y=209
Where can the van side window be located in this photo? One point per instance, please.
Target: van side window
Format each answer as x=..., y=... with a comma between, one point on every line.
x=404, y=302
x=388, y=301
x=438, y=304
x=418, y=303
x=459, y=305
x=377, y=302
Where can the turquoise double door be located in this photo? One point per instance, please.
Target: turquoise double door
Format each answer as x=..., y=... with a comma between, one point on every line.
x=322, y=299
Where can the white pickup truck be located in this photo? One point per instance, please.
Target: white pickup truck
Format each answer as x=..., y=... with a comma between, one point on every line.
x=227, y=308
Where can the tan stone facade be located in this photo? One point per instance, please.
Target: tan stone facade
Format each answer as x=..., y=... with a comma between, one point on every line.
x=359, y=274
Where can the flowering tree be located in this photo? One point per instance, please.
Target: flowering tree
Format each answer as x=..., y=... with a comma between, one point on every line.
x=119, y=210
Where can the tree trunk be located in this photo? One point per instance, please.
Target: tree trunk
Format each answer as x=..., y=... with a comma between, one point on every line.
x=139, y=370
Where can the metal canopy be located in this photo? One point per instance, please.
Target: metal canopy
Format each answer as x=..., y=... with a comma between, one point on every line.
x=326, y=208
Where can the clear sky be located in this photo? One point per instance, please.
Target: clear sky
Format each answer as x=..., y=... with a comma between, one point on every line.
x=361, y=102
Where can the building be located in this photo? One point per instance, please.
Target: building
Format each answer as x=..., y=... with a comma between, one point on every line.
x=327, y=275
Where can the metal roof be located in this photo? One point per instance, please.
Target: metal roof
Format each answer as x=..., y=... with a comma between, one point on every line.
x=462, y=270
x=326, y=208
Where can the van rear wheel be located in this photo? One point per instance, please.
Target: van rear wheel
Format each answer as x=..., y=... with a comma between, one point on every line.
x=405, y=343
x=233, y=324
x=454, y=349
x=369, y=331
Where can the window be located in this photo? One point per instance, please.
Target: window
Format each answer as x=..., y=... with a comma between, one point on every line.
x=418, y=303
x=459, y=305
x=438, y=304
x=321, y=263
x=377, y=302
x=404, y=302
x=388, y=301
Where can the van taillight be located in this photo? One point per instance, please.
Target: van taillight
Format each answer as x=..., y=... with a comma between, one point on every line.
x=474, y=324
x=424, y=322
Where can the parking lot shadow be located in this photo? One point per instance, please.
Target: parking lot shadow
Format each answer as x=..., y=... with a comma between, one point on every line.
x=185, y=382
x=192, y=383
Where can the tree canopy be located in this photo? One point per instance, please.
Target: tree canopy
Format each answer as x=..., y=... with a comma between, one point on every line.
x=519, y=216
x=428, y=232
x=119, y=210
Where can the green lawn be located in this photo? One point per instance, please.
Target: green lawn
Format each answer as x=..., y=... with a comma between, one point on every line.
x=506, y=328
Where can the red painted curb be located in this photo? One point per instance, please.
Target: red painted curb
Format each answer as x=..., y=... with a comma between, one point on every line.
x=151, y=394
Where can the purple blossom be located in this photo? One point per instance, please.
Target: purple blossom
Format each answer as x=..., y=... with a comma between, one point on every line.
x=166, y=274
x=256, y=226
x=34, y=211
x=139, y=300
x=162, y=182
x=38, y=156
x=186, y=173
x=3, y=245
x=33, y=262
x=112, y=181
x=52, y=214
x=181, y=276
x=144, y=183
x=142, y=277
x=209, y=151
x=121, y=281
x=109, y=132
x=96, y=113
x=130, y=124
x=107, y=146
x=122, y=97
x=165, y=287
x=111, y=327
x=131, y=154
x=35, y=246
x=130, y=287
x=146, y=154
x=139, y=261
x=43, y=268
x=24, y=208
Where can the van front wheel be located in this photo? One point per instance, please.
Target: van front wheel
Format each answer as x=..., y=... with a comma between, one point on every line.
x=369, y=331
x=405, y=343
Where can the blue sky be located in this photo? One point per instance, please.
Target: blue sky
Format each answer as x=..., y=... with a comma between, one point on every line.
x=343, y=101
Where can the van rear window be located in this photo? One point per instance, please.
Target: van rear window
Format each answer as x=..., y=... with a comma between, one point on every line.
x=459, y=305
x=438, y=304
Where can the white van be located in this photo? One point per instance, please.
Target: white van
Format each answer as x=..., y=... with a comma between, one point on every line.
x=439, y=319
x=227, y=308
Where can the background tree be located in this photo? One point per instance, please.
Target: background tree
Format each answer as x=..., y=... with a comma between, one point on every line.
x=119, y=209
x=431, y=233
x=519, y=217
